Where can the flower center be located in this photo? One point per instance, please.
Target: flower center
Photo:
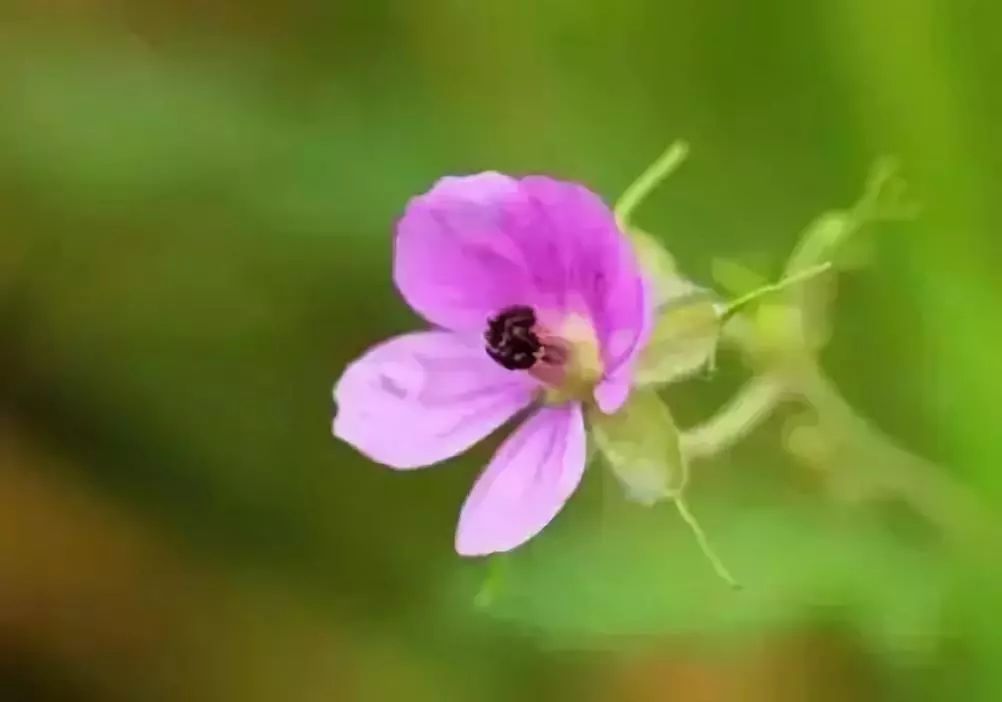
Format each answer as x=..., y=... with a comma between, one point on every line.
x=512, y=340
x=565, y=360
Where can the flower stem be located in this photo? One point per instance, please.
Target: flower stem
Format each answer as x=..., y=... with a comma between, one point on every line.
x=493, y=582
x=704, y=544
x=750, y=406
x=737, y=305
x=638, y=191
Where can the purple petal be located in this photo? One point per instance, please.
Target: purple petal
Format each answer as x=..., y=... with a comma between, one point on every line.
x=527, y=482
x=599, y=265
x=614, y=390
x=612, y=393
x=421, y=398
x=454, y=261
x=474, y=245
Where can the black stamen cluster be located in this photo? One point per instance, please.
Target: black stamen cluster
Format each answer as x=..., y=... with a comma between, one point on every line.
x=510, y=339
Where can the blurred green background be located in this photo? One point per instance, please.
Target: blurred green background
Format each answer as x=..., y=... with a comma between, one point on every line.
x=196, y=207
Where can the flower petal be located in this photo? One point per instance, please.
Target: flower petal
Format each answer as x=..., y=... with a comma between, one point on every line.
x=421, y=398
x=454, y=261
x=599, y=266
x=527, y=482
x=612, y=393
x=474, y=245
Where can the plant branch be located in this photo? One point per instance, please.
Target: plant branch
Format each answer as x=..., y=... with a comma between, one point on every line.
x=704, y=543
x=638, y=191
x=893, y=471
x=749, y=407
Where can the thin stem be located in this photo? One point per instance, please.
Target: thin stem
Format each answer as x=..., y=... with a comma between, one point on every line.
x=638, y=191
x=737, y=305
x=493, y=582
x=704, y=544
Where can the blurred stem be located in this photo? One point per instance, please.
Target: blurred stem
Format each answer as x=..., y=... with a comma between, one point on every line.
x=704, y=543
x=923, y=485
x=494, y=581
x=642, y=187
x=892, y=471
x=749, y=407
x=883, y=199
x=796, y=278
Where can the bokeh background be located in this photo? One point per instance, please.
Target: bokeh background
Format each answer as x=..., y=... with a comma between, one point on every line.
x=196, y=207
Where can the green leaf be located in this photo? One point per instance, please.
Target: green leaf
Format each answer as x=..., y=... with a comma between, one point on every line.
x=641, y=444
x=683, y=341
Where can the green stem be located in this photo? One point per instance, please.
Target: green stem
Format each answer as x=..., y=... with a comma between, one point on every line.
x=737, y=305
x=493, y=582
x=704, y=544
x=747, y=409
x=638, y=191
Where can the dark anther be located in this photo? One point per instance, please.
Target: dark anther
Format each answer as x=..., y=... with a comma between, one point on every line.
x=510, y=339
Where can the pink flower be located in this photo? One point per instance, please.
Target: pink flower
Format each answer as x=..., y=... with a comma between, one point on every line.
x=538, y=306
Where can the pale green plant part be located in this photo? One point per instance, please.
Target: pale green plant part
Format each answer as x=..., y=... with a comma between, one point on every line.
x=666, y=164
x=645, y=450
x=779, y=327
x=640, y=443
x=683, y=342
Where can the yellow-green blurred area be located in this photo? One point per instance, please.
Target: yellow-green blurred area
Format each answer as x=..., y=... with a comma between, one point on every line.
x=197, y=201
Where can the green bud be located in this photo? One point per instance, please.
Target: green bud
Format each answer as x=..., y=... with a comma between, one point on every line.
x=687, y=328
x=657, y=264
x=683, y=342
x=640, y=442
